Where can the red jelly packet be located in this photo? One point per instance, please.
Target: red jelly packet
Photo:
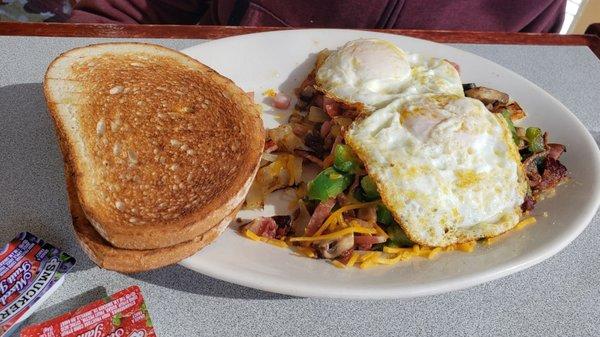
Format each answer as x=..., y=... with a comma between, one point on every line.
x=30, y=271
x=123, y=314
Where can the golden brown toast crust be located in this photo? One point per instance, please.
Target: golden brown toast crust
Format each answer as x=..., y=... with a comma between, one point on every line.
x=132, y=261
x=162, y=146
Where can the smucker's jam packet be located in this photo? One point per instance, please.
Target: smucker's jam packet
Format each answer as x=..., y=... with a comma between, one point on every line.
x=123, y=314
x=30, y=271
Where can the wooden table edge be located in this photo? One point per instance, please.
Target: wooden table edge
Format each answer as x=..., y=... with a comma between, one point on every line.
x=215, y=32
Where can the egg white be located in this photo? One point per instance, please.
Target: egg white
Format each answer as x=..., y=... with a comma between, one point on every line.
x=373, y=72
x=445, y=166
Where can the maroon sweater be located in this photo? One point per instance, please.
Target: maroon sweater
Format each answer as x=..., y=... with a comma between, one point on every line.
x=481, y=15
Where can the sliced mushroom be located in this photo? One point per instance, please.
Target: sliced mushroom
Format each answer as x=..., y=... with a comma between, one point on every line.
x=515, y=112
x=331, y=249
x=488, y=96
x=300, y=219
x=467, y=86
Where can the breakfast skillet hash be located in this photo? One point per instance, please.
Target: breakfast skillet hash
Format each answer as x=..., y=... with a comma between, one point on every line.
x=413, y=162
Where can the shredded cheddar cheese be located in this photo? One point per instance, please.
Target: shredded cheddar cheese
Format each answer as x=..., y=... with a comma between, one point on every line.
x=334, y=235
x=368, y=259
x=338, y=264
x=251, y=235
x=306, y=251
x=335, y=215
x=366, y=265
x=467, y=246
x=393, y=260
x=527, y=221
x=491, y=240
x=435, y=251
x=353, y=259
x=270, y=92
x=274, y=242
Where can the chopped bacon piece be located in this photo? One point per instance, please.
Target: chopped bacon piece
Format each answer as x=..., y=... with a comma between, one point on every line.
x=319, y=216
x=263, y=226
x=555, y=150
x=281, y=101
x=331, y=107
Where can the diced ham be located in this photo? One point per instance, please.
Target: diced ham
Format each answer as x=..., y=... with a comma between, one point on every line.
x=553, y=174
x=366, y=242
x=331, y=107
x=250, y=94
x=555, y=150
x=325, y=128
x=321, y=213
x=281, y=101
x=263, y=226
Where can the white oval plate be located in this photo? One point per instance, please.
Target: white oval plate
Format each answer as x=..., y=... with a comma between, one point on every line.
x=281, y=60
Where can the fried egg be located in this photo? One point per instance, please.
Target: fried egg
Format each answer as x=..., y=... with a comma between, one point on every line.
x=446, y=167
x=373, y=72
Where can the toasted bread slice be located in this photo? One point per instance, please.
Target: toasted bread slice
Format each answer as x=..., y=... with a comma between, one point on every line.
x=162, y=147
x=129, y=260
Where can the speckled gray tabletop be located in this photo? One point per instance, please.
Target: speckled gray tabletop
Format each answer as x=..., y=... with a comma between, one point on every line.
x=560, y=296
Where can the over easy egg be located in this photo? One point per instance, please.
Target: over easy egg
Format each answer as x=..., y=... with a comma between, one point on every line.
x=373, y=72
x=445, y=166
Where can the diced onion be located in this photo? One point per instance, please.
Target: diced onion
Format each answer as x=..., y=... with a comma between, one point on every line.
x=281, y=101
x=317, y=115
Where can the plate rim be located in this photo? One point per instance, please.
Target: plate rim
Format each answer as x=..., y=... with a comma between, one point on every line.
x=456, y=283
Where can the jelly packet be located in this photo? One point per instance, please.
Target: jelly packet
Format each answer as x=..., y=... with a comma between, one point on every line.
x=30, y=271
x=123, y=314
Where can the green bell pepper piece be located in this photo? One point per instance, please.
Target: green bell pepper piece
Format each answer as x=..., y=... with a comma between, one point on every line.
x=535, y=139
x=344, y=159
x=397, y=237
x=369, y=188
x=511, y=126
x=384, y=216
x=328, y=184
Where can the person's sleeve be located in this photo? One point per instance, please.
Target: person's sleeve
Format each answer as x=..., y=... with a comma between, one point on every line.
x=139, y=11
